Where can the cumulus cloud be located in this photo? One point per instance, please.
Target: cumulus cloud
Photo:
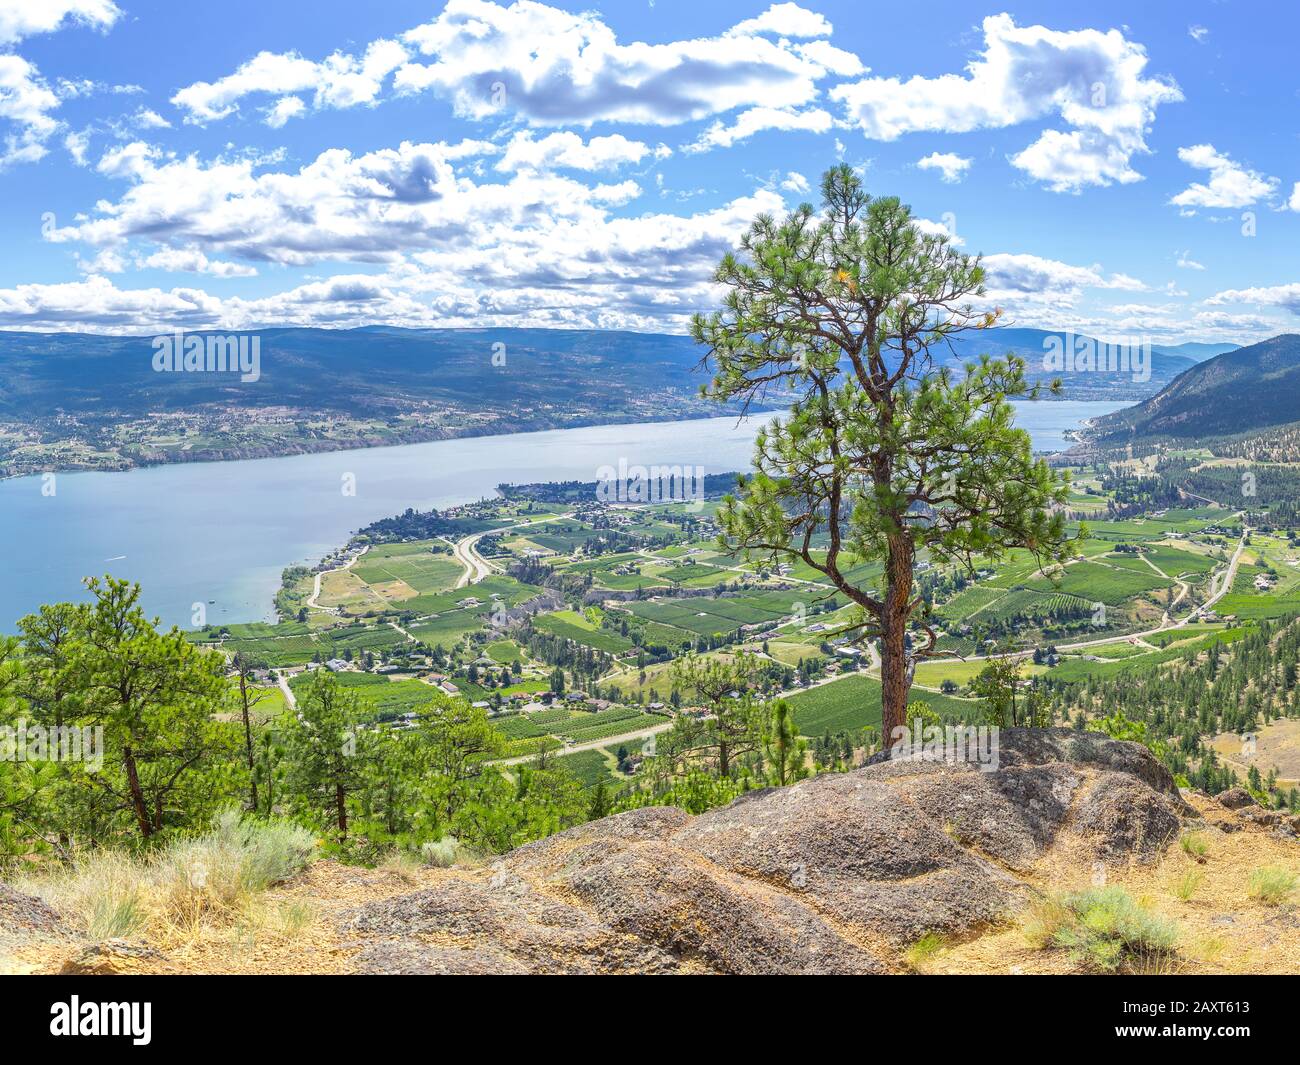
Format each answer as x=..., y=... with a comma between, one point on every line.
x=26, y=100
x=449, y=247
x=784, y=20
x=568, y=151
x=952, y=167
x=1294, y=202
x=26, y=18
x=1284, y=296
x=193, y=261
x=1093, y=81
x=1014, y=280
x=338, y=81
x=796, y=183
x=550, y=67
x=1230, y=183
x=1186, y=262
x=756, y=120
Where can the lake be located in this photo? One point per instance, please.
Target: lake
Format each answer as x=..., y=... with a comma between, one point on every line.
x=222, y=532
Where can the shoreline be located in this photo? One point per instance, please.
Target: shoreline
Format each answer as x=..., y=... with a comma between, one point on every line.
x=501, y=427
x=504, y=427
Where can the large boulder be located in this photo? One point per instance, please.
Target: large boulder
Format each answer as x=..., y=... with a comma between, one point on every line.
x=836, y=874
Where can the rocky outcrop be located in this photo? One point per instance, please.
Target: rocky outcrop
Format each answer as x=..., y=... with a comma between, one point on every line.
x=836, y=874
x=21, y=913
x=1235, y=798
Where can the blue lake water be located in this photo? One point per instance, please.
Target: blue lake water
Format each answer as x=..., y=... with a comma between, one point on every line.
x=224, y=531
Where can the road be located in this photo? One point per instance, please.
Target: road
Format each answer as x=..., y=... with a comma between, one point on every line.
x=476, y=566
x=608, y=741
x=315, y=591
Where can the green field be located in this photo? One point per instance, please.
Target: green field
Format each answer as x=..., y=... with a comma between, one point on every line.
x=854, y=703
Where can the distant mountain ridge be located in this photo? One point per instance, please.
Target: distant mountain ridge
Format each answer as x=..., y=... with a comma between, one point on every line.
x=1251, y=388
x=376, y=370
x=1039, y=347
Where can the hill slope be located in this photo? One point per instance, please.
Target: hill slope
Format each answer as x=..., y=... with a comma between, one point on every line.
x=1033, y=345
x=1255, y=387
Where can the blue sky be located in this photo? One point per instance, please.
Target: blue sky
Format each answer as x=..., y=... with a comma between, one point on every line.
x=1124, y=168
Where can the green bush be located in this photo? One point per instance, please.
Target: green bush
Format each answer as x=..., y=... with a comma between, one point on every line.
x=1272, y=885
x=1104, y=929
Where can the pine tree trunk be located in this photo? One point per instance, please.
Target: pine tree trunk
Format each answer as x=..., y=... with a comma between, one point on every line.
x=895, y=676
x=341, y=807
x=138, y=804
x=248, y=741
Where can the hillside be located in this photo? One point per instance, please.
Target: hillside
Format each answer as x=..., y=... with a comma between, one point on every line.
x=903, y=866
x=1251, y=388
x=1033, y=345
x=83, y=401
x=1194, y=350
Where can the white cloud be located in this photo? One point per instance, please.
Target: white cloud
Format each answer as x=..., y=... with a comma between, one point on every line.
x=550, y=67
x=1230, y=184
x=146, y=118
x=756, y=120
x=1094, y=81
x=1285, y=296
x=951, y=167
x=339, y=81
x=283, y=109
x=1185, y=262
x=451, y=247
x=77, y=143
x=1294, y=202
x=26, y=102
x=1020, y=279
x=796, y=183
x=1198, y=33
x=97, y=304
x=193, y=261
x=25, y=18
x=784, y=20
x=568, y=151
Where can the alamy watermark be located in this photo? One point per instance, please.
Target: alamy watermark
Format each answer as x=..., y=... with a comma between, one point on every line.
x=23, y=742
x=213, y=353
x=650, y=484
x=973, y=744
x=1068, y=353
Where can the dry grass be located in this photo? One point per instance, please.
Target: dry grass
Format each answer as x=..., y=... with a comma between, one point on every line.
x=190, y=888
x=1222, y=928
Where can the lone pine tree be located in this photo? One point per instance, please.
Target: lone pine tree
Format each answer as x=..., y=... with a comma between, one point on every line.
x=885, y=452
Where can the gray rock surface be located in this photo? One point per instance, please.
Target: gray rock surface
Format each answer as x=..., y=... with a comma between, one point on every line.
x=836, y=874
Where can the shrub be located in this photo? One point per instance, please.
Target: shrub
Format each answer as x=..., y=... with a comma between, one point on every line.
x=213, y=875
x=923, y=950
x=443, y=853
x=1103, y=929
x=1194, y=845
x=1272, y=885
x=1188, y=884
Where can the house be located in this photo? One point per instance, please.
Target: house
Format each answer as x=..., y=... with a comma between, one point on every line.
x=337, y=665
x=449, y=688
x=468, y=602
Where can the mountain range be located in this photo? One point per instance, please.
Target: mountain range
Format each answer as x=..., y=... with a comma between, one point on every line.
x=381, y=371
x=1251, y=388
